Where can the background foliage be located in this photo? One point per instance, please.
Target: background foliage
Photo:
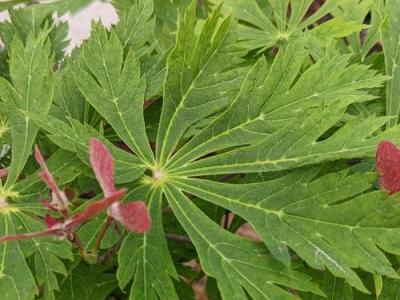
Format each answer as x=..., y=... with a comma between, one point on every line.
x=217, y=114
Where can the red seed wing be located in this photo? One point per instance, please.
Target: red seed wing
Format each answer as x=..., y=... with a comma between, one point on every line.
x=388, y=166
x=103, y=166
x=134, y=216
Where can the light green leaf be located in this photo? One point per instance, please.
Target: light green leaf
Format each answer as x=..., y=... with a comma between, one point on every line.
x=31, y=90
x=300, y=143
x=35, y=18
x=271, y=97
x=391, y=46
x=86, y=283
x=200, y=78
x=115, y=88
x=260, y=32
x=337, y=28
x=316, y=219
x=47, y=255
x=136, y=26
x=75, y=138
x=146, y=259
x=16, y=280
x=240, y=266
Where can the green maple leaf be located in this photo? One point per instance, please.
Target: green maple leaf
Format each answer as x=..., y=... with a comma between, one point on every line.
x=31, y=89
x=304, y=216
x=391, y=46
x=264, y=27
x=265, y=136
x=47, y=255
x=86, y=282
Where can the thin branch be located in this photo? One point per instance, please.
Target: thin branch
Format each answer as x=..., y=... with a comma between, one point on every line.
x=177, y=237
x=103, y=232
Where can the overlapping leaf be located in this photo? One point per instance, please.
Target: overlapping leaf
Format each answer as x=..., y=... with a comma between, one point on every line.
x=202, y=75
x=270, y=98
x=292, y=108
x=315, y=220
x=280, y=21
x=146, y=259
x=115, y=88
x=16, y=279
x=75, y=138
x=31, y=90
x=86, y=283
x=300, y=143
x=47, y=256
x=239, y=266
x=391, y=46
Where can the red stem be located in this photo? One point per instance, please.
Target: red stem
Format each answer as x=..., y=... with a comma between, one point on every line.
x=103, y=232
x=76, y=240
x=25, y=236
x=96, y=207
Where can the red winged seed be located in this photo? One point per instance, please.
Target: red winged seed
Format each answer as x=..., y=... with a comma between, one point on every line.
x=60, y=201
x=103, y=166
x=133, y=215
x=388, y=166
x=57, y=229
x=96, y=207
x=50, y=221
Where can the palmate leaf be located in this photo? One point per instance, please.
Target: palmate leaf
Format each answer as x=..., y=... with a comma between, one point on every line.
x=86, y=283
x=146, y=259
x=334, y=289
x=299, y=144
x=266, y=31
x=65, y=167
x=272, y=97
x=16, y=279
x=391, y=45
x=136, y=26
x=239, y=266
x=115, y=88
x=47, y=255
x=291, y=109
x=315, y=220
x=31, y=89
x=35, y=18
x=202, y=75
x=75, y=137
